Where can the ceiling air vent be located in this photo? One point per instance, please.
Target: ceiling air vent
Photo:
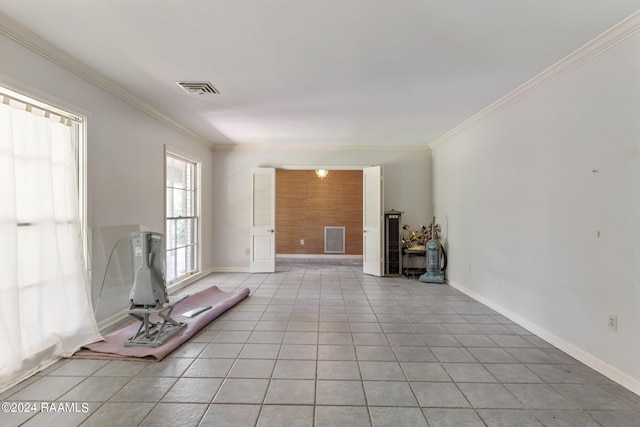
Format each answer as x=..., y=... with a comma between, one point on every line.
x=198, y=88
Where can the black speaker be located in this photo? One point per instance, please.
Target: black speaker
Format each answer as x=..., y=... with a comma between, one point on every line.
x=393, y=243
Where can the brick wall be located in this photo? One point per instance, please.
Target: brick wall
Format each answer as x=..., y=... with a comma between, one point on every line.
x=305, y=204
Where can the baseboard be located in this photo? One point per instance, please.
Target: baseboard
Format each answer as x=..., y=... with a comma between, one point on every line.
x=318, y=256
x=175, y=287
x=583, y=356
x=230, y=270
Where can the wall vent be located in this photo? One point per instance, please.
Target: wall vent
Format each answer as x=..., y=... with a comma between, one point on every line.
x=198, y=88
x=334, y=240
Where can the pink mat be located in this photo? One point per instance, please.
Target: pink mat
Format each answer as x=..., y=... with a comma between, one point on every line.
x=113, y=345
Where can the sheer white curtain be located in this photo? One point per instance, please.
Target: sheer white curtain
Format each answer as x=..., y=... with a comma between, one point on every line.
x=45, y=308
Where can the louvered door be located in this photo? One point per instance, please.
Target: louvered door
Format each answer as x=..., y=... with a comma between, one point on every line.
x=372, y=198
x=263, y=220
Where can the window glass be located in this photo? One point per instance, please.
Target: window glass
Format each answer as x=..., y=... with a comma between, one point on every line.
x=181, y=217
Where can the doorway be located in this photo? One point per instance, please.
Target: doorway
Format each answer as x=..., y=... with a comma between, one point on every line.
x=263, y=218
x=306, y=204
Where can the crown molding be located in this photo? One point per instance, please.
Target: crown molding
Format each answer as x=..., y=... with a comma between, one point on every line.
x=321, y=147
x=37, y=44
x=616, y=34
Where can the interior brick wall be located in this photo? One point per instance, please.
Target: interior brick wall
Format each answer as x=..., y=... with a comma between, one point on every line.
x=305, y=204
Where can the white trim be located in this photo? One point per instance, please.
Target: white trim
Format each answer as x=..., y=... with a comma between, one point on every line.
x=185, y=157
x=616, y=34
x=83, y=197
x=176, y=152
x=606, y=40
x=317, y=256
x=37, y=44
x=23, y=97
x=320, y=147
x=588, y=359
x=230, y=270
x=78, y=122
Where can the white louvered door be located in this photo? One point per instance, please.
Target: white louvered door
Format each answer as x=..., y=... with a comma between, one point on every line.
x=263, y=220
x=372, y=196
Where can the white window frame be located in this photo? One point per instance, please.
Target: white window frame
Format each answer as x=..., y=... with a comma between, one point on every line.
x=176, y=154
x=79, y=125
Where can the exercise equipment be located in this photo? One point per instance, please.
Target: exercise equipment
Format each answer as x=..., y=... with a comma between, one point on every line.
x=148, y=295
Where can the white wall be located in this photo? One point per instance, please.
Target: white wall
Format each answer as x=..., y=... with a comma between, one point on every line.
x=125, y=164
x=407, y=187
x=125, y=147
x=540, y=205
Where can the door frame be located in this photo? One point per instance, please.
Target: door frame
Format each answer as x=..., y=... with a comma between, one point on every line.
x=263, y=237
x=373, y=252
x=332, y=167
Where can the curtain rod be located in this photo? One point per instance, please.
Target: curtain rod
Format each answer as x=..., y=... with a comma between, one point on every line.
x=17, y=100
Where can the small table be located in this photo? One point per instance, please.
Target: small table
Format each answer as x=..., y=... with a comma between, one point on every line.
x=414, y=253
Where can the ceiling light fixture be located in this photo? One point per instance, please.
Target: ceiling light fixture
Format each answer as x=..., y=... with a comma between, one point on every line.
x=322, y=173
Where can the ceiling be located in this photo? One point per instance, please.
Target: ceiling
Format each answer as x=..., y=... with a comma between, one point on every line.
x=354, y=72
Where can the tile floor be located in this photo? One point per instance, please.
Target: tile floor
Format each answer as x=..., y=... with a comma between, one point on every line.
x=322, y=344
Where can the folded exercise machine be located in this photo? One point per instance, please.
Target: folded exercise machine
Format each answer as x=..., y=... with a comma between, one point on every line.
x=148, y=296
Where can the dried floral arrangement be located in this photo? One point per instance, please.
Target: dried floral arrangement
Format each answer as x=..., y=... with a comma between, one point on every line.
x=417, y=239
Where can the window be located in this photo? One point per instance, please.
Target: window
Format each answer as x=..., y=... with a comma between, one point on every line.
x=182, y=217
x=45, y=310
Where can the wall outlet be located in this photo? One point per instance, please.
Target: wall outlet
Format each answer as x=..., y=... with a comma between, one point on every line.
x=247, y=251
x=613, y=323
x=301, y=242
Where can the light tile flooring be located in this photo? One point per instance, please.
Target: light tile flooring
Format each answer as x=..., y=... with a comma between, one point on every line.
x=325, y=345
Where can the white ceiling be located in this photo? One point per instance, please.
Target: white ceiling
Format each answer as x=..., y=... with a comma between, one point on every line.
x=356, y=72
